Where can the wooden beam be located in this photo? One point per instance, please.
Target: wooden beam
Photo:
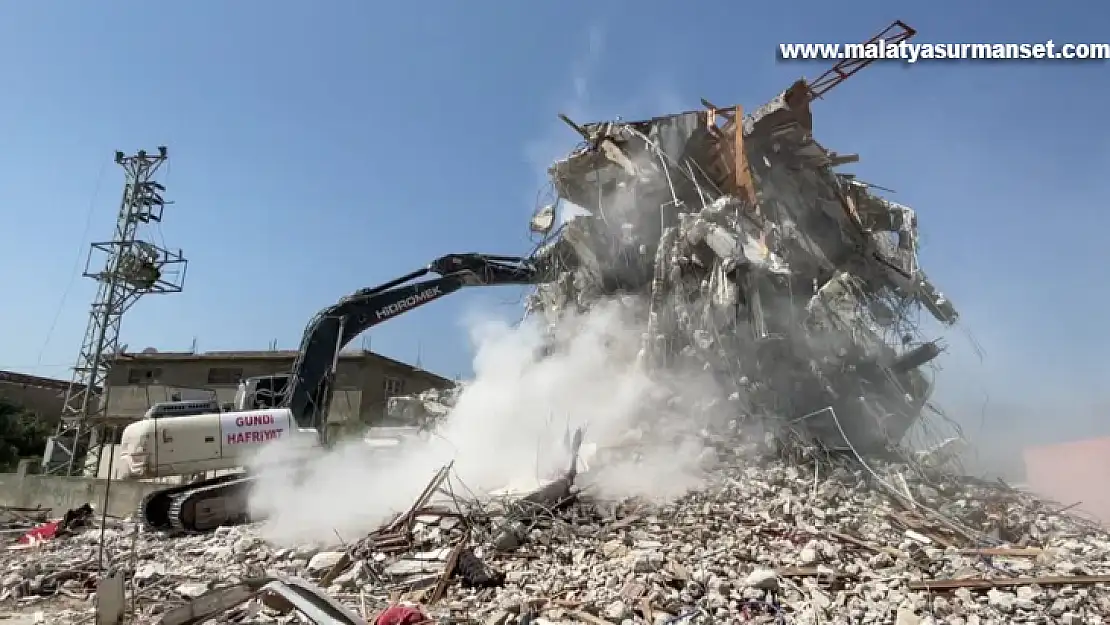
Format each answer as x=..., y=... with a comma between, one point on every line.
x=575, y=127
x=743, y=175
x=952, y=584
x=723, y=112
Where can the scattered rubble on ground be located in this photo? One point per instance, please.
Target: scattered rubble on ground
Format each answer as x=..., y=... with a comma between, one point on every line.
x=816, y=542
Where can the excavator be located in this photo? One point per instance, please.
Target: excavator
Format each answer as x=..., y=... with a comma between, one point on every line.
x=272, y=408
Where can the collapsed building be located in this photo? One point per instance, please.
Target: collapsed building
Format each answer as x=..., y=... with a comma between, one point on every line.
x=790, y=282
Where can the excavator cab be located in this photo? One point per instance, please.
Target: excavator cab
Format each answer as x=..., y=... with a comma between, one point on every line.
x=261, y=392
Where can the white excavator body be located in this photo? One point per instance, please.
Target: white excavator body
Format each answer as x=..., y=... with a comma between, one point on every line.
x=167, y=446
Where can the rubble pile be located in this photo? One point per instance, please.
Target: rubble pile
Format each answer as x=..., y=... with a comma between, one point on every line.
x=787, y=543
x=792, y=284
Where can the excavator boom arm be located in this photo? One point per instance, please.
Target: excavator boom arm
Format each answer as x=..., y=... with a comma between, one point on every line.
x=334, y=327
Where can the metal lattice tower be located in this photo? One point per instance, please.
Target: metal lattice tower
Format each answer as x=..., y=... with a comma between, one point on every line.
x=130, y=266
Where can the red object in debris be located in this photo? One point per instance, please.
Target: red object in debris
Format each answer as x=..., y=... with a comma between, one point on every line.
x=401, y=615
x=46, y=531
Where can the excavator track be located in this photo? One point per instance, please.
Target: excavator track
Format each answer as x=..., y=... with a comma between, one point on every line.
x=198, y=507
x=207, y=507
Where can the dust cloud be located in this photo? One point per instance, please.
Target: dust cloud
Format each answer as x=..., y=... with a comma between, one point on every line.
x=507, y=430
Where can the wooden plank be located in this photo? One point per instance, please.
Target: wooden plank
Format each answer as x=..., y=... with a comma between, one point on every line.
x=586, y=617
x=743, y=175
x=713, y=108
x=1003, y=582
x=448, y=570
x=1004, y=552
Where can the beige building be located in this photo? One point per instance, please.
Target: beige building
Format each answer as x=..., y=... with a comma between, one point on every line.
x=364, y=380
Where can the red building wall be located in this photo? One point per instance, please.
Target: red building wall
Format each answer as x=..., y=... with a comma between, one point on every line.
x=1072, y=472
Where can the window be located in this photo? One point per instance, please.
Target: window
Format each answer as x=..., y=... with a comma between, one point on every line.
x=142, y=375
x=225, y=375
x=393, y=387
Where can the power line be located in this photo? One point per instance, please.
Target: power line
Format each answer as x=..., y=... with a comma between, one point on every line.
x=76, y=262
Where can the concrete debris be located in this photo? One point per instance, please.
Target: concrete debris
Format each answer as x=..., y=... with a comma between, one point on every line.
x=792, y=284
x=799, y=543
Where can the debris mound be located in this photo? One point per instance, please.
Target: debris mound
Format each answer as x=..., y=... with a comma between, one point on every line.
x=817, y=542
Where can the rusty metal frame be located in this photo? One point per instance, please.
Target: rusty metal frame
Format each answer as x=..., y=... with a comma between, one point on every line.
x=743, y=174
x=894, y=34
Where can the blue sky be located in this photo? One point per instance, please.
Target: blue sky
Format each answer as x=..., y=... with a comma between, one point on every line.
x=320, y=147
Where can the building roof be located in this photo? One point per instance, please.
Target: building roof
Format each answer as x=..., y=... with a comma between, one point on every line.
x=274, y=354
x=24, y=379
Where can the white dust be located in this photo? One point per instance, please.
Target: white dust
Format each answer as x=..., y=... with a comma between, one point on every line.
x=507, y=428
